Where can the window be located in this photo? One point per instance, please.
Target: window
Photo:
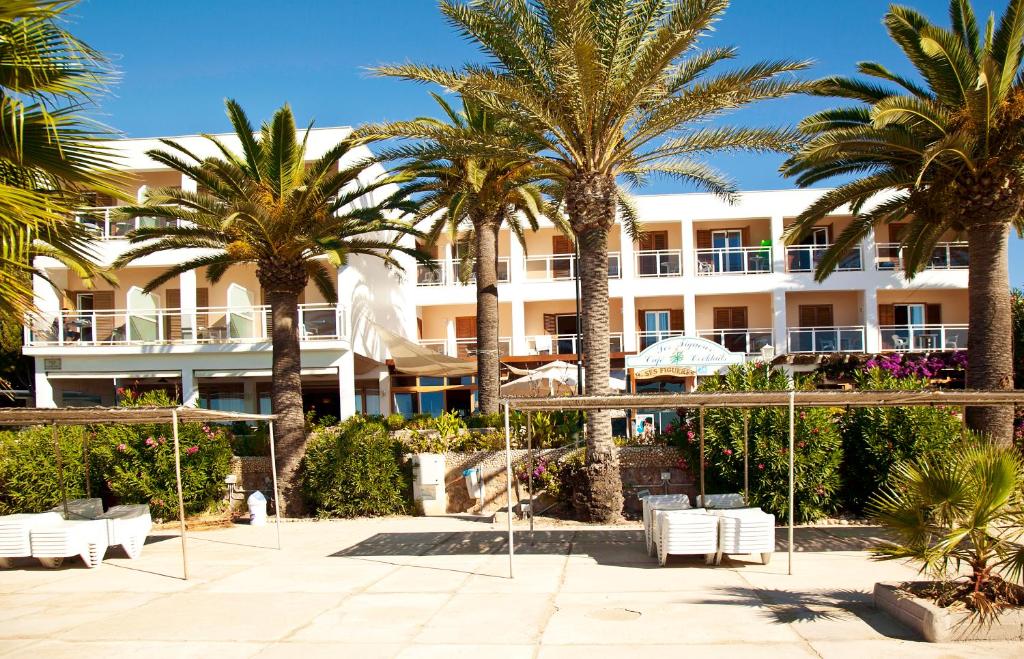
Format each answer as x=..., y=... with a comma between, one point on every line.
x=656, y=327
x=732, y=323
x=816, y=315
x=405, y=404
x=223, y=401
x=909, y=314
x=729, y=241
x=565, y=327
x=432, y=403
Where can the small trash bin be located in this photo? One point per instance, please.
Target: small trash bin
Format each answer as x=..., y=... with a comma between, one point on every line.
x=257, y=508
x=474, y=483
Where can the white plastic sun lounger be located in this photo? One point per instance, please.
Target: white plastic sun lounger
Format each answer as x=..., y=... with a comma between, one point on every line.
x=654, y=502
x=15, y=531
x=690, y=532
x=51, y=544
x=128, y=526
x=81, y=508
x=721, y=501
x=746, y=531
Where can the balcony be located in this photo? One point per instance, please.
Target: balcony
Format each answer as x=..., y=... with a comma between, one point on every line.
x=945, y=256
x=442, y=275
x=126, y=327
x=464, y=348
x=805, y=258
x=565, y=344
x=659, y=263
x=103, y=223
x=734, y=261
x=826, y=339
x=923, y=338
x=562, y=267
x=748, y=341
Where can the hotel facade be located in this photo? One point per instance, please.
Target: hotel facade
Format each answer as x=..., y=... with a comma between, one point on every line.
x=703, y=269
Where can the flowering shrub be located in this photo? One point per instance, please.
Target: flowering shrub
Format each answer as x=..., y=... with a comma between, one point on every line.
x=817, y=455
x=899, y=365
x=28, y=472
x=559, y=477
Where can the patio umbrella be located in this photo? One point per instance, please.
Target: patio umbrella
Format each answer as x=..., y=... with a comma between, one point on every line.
x=555, y=378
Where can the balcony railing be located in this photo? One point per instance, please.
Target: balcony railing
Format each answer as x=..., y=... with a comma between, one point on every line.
x=647, y=339
x=121, y=327
x=561, y=267
x=826, y=339
x=659, y=263
x=442, y=275
x=734, y=260
x=805, y=258
x=923, y=338
x=104, y=223
x=465, y=348
x=565, y=344
x=945, y=256
x=749, y=341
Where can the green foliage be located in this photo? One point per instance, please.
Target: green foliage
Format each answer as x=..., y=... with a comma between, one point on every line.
x=355, y=469
x=876, y=438
x=394, y=421
x=494, y=420
x=1017, y=308
x=28, y=472
x=818, y=447
x=560, y=478
x=960, y=508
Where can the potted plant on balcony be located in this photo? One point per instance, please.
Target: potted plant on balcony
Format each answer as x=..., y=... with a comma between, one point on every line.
x=959, y=515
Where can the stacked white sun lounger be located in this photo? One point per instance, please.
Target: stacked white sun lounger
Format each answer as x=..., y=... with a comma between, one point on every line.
x=685, y=532
x=720, y=525
x=745, y=531
x=78, y=537
x=128, y=526
x=654, y=502
x=81, y=508
x=720, y=501
x=15, y=533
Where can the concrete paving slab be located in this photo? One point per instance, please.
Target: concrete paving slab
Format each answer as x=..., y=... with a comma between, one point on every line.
x=56, y=613
x=448, y=651
x=736, y=650
x=586, y=577
x=57, y=649
x=336, y=576
x=489, y=618
x=328, y=650
x=916, y=649
x=14, y=647
x=422, y=579
x=373, y=618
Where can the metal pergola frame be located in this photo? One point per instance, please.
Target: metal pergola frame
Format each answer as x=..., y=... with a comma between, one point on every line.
x=91, y=416
x=790, y=398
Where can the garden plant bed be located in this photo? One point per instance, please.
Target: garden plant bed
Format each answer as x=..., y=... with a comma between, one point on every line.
x=940, y=625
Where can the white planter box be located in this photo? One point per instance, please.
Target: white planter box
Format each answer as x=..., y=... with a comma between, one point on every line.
x=939, y=625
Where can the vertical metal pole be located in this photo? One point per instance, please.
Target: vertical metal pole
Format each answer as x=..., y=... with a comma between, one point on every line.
x=181, y=498
x=529, y=477
x=85, y=463
x=703, y=499
x=746, y=457
x=792, y=497
x=508, y=488
x=60, y=471
x=277, y=495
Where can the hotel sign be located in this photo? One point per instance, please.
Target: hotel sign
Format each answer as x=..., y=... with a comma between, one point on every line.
x=684, y=356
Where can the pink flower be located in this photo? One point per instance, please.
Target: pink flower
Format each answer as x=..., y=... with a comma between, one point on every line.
x=120, y=391
x=689, y=434
x=801, y=444
x=728, y=451
x=150, y=442
x=163, y=440
x=803, y=415
x=668, y=428
x=192, y=450
x=760, y=465
x=122, y=448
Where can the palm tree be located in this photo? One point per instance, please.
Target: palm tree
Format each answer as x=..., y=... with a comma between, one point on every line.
x=48, y=153
x=944, y=151
x=613, y=90
x=267, y=205
x=472, y=195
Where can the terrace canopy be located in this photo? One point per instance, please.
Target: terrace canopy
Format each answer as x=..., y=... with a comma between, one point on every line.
x=414, y=359
x=80, y=416
x=790, y=399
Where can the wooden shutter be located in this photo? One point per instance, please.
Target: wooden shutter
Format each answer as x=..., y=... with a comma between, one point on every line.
x=816, y=315
x=745, y=237
x=703, y=239
x=641, y=319
x=654, y=240
x=723, y=318
x=886, y=314
x=561, y=245
x=675, y=319
x=933, y=314
x=101, y=301
x=550, y=323
x=172, y=321
x=896, y=231
x=739, y=318
x=465, y=327
x=202, y=302
x=730, y=318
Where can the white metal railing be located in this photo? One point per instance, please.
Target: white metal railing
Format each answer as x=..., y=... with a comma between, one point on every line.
x=734, y=260
x=805, y=258
x=565, y=344
x=119, y=327
x=923, y=338
x=647, y=339
x=445, y=274
x=659, y=263
x=465, y=348
x=848, y=338
x=105, y=224
x=749, y=341
x=945, y=256
x=561, y=267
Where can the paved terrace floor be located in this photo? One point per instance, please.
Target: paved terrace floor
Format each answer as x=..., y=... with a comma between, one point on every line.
x=420, y=587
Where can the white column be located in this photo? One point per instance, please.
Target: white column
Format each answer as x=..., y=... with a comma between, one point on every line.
x=869, y=252
x=689, y=314
x=779, y=321
x=519, y=343
x=872, y=336
x=449, y=273
x=384, y=388
x=627, y=263
x=451, y=340
x=778, y=247
x=187, y=285
x=516, y=265
x=44, y=389
x=629, y=342
x=689, y=258
x=346, y=385
x=189, y=388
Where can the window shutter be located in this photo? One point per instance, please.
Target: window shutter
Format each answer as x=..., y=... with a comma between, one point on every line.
x=896, y=231
x=808, y=316
x=739, y=318
x=703, y=239
x=675, y=320
x=933, y=314
x=745, y=237
x=886, y=314
x=202, y=302
x=723, y=317
x=654, y=240
x=103, y=300
x=465, y=327
x=550, y=323
x=172, y=321
x=825, y=315
x=641, y=320
x=561, y=245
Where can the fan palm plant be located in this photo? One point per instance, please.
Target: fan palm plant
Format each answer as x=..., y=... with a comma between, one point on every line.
x=291, y=217
x=48, y=153
x=614, y=91
x=944, y=151
x=959, y=509
x=473, y=198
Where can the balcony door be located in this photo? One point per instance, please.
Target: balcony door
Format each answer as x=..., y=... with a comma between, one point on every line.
x=657, y=326
x=727, y=243
x=465, y=336
x=651, y=241
x=909, y=314
x=562, y=268
x=567, y=330
x=143, y=318
x=823, y=338
x=731, y=328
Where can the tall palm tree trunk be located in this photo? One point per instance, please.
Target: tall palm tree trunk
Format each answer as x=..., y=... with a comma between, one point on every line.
x=286, y=397
x=487, y=354
x=591, y=203
x=990, y=332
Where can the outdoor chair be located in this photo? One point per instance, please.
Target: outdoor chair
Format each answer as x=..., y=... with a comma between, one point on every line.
x=15, y=531
x=128, y=526
x=720, y=501
x=653, y=502
x=51, y=544
x=745, y=531
x=898, y=342
x=81, y=508
x=686, y=532
x=542, y=344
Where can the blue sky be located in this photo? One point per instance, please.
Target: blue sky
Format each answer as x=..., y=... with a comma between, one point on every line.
x=178, y=61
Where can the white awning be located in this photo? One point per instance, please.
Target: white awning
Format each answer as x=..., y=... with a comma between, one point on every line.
x=259, y=372
x=413, y=359
x=119, y=375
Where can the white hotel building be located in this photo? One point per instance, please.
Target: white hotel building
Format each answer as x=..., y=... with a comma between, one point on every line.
x=703, y=269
